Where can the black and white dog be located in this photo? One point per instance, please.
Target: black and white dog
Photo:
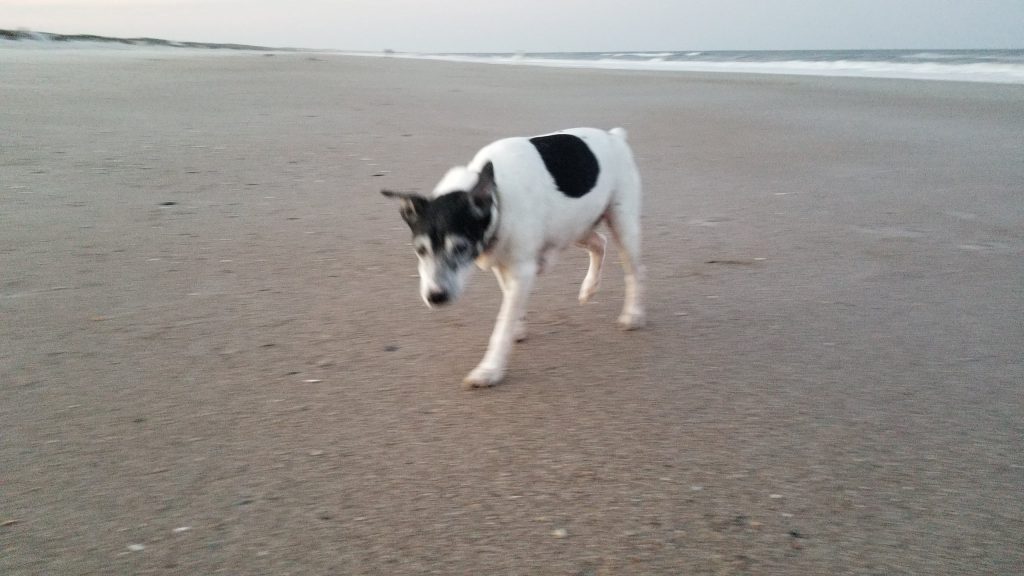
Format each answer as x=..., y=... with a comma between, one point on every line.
x=513, y=209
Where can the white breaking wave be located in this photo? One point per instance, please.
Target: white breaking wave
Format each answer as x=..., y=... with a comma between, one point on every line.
x=1005, y=67
x=1002, y=73
x=640, y=54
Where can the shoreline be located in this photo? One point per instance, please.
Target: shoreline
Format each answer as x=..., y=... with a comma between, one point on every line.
x=938, y=71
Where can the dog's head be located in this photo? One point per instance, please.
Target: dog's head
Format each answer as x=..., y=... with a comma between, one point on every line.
x=448, y=232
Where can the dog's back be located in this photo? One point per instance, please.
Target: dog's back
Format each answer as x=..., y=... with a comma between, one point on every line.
x=553, y=189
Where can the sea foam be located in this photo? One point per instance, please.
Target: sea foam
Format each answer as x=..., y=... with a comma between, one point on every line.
x=1005, y=67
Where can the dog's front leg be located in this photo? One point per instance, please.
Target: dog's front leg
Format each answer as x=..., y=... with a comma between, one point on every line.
x=517, y=281
x=520, y=328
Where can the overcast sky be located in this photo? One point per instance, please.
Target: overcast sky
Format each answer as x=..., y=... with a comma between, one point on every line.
x=540, y=25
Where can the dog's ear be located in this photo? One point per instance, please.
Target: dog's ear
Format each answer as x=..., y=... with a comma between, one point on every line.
x=481, y=197
x=412, y=204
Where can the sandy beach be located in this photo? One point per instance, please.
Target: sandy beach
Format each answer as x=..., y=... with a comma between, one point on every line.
x=213, y=357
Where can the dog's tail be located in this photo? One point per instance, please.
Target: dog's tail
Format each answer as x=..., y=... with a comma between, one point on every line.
x=620, y=132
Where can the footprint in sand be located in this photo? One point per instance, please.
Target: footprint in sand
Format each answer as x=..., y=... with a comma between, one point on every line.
x=989, y=248
x=889, y=232
x=709, y=221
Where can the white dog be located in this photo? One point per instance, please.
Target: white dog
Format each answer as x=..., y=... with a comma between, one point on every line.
x=518, y=204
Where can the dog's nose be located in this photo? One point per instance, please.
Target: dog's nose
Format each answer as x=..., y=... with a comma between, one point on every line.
x=439, y=297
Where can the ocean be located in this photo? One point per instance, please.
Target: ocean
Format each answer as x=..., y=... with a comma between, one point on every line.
x=1000, y=66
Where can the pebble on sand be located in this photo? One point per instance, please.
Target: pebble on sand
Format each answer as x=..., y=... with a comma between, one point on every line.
x=560, y=533
x=136, y=547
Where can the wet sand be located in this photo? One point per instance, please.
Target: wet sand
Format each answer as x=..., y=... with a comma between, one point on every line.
x=213, y=358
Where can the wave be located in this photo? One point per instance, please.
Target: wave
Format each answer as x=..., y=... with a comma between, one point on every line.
x=930, y=56
x=993, y=66
x=1002, y=72
x=642, y=54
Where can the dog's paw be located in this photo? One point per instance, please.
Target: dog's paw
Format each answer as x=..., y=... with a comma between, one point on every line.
x=483, y=377
x=520, y=333
x=632, y=320
x=587, y=292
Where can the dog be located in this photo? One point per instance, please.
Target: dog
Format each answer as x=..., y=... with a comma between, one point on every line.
x=513, y=209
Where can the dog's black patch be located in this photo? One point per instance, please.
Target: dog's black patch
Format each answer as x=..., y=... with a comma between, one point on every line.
x=569, y=161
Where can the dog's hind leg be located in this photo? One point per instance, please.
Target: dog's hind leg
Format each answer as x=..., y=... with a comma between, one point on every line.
x=595, y=243
x=624, y=222
x=516, y=283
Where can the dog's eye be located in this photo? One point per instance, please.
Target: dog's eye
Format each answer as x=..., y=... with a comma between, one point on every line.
x=460, y=248
x=421, y=250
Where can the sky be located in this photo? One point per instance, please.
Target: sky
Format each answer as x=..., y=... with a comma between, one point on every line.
x=540, y=25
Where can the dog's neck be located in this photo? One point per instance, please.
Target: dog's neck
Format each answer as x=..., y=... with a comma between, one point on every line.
x=491, y=233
